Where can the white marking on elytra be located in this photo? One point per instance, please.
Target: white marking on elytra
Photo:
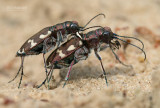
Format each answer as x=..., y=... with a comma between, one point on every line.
x=78, y=35
x=21, y=52
x=60, y=53
x=32, y=43
x=80, y=43
x=42, y=36
x=71, y=48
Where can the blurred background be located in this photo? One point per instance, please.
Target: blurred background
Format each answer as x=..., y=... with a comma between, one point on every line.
x=20, y=19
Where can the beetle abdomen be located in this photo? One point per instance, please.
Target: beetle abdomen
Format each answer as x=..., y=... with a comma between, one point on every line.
x=34, y=41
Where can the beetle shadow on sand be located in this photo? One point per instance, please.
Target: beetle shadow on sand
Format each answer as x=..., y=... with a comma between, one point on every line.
x=88, y=71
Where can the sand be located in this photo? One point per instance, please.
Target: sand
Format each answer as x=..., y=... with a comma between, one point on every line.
x=137, y=87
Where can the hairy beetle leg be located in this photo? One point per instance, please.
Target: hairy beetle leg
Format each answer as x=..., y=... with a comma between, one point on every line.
x=68, y=73
x=104, y=73
x=22, y=58
x=46, y=79
x=21, y=68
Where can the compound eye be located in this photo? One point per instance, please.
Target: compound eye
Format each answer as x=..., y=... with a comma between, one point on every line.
x=73, y=25
x=106, y=33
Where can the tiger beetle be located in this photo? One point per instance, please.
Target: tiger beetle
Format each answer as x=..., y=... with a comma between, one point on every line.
x=76, y=50
x=47, y=39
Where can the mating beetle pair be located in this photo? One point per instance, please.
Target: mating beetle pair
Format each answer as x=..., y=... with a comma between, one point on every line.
x=70, y=47
x=78, y=49
x=47, y=39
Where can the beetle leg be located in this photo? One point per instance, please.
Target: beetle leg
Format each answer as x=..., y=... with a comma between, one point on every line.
x=99, y=58
x=68, y=73
x=59, y=38
x=42, y=83
x=44, y=51
x=51, y=72
x=46, y=79
x=48, y=74
x=49, y=44
x=45, y=67
x=104, y=47
x=22, y=58
x=80, y=54
x=18, y=71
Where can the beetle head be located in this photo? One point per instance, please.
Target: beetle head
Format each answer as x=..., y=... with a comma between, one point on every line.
x=108, y=37
x=74, y=27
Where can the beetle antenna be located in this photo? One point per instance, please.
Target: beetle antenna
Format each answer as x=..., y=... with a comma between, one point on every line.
x=134, y=46
x=94, y=18
x=91, y=27
x=131, y=38
x=117, y=58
